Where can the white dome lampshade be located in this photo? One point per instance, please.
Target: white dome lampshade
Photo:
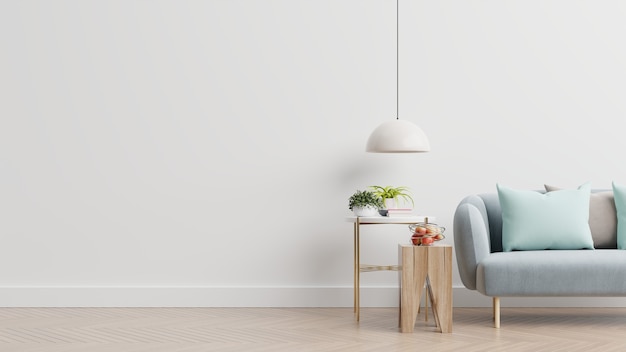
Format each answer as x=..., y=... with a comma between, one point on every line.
x=397, y=136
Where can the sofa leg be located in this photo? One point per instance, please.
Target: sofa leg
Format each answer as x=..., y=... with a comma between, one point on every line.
x=496, y=312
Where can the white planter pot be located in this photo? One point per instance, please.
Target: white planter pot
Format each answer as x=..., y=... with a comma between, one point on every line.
x=365, y=211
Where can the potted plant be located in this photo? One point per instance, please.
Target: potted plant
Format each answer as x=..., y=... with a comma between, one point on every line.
x=365, y=203
x=392, y=195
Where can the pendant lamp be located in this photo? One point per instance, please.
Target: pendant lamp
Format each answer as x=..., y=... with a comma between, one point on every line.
x=397, y=136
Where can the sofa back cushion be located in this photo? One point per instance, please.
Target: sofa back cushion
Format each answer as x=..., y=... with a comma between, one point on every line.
x=494, y=215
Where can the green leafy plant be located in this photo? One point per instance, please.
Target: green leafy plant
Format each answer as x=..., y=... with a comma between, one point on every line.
x=365, y=198
x=395, y=193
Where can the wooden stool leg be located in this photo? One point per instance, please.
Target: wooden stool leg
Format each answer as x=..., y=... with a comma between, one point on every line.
x=440, y=284
x=419, y=307
x=407, y=302
x=414, y=264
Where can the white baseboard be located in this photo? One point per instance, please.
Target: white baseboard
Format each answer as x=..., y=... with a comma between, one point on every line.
x=248, y=296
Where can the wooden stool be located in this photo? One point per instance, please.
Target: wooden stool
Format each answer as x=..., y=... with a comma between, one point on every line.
x=431, y=265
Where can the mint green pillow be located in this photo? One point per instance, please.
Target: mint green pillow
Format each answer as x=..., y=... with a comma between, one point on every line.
x=554, y=220
x=602, y=218
x=619, y=192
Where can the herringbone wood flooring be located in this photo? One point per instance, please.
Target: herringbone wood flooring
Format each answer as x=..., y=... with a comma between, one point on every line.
x=305, y=329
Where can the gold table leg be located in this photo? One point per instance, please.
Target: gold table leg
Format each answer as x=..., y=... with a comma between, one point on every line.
x=354, y=273
x=357, y=268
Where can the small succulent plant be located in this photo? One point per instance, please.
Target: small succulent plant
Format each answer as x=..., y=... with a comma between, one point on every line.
x=365, y=198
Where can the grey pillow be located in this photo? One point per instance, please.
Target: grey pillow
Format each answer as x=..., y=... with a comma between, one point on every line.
x=602, y=218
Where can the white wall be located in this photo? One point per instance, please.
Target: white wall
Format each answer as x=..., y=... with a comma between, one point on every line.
x=202, y=152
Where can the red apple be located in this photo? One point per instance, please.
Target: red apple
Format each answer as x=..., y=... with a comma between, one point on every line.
x=416, y=240
x=426, y=241
x=421, y=230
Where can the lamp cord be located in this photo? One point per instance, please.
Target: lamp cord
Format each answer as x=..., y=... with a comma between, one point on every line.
x=397, y=61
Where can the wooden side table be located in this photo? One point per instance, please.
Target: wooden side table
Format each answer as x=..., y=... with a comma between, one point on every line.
x=358, y=267
x=431, y=265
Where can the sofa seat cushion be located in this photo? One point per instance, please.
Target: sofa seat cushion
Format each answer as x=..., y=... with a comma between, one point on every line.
x=553, y=273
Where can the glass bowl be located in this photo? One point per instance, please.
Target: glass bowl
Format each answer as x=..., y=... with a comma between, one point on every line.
x=425, y=234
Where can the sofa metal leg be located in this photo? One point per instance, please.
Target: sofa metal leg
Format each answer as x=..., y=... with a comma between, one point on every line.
x=496, y=312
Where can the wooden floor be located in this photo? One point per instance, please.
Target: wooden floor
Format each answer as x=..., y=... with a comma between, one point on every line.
x=305, y=329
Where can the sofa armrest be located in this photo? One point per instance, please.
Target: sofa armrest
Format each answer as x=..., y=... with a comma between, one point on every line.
x=471, y=238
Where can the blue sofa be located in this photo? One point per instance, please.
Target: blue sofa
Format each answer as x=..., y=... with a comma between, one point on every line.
x=486, y=268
